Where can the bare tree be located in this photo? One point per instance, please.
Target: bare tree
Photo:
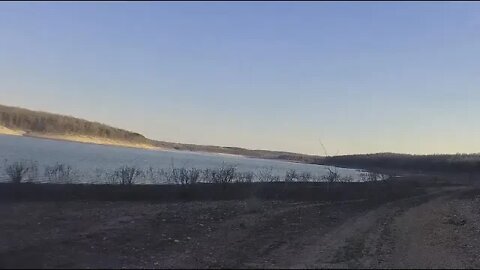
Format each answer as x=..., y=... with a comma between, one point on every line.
x=20, y=170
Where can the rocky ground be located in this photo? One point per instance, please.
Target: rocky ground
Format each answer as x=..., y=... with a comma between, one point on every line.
x=440, y=229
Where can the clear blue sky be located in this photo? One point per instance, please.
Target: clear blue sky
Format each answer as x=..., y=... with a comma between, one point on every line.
x=362, y=77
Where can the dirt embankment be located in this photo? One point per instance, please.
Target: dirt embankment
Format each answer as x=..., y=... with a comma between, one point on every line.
x=8, y=131
x=437, y=229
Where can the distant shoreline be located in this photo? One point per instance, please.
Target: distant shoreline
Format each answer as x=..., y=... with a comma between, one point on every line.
x=101, y=141
x=23, y=122
x=78, y=139
x=116, y=143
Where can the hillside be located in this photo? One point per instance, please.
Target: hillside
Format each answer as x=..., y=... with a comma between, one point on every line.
x=19, y=121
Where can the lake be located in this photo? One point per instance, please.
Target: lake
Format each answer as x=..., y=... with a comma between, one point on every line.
x=90, y=161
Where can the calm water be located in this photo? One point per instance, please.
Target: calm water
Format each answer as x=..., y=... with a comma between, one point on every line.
x=88, y=160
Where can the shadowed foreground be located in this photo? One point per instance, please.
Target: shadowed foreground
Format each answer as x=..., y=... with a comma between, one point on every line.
x=430, y=224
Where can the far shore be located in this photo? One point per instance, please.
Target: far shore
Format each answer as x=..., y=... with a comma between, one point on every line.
x=119, y=143
x=100, y=141
x=78, y=138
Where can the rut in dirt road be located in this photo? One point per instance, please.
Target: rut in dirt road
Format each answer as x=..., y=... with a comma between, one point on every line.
x=410, y=233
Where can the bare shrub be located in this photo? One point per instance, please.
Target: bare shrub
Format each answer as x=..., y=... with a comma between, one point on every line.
x=244, y=177
x=372, y=177
x=346, y=179
x=275, y=178
x=98, y=175
x=21, y=170
x=150, y=172
x=305, y=177
x=222, y=175
x=164, y=175
x=183, y=176
x=208, y=175
x=317, y=178
x=154, y=175
x=193, y=176
x=59, y=173
x=332, y=176
x=364, y=177
x=266, y=175
x=110, y=178
x=33, y=171
x=125, y=175
x=291, y=176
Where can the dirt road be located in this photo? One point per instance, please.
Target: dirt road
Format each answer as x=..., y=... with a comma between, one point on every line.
x=439, y=230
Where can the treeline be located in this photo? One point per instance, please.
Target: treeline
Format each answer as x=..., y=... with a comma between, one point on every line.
x=466, y=163
x=48, y=123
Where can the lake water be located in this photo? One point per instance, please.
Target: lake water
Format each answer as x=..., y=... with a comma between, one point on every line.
x=90, y=161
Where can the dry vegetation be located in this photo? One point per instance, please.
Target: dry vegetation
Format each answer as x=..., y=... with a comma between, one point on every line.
x=61, y=173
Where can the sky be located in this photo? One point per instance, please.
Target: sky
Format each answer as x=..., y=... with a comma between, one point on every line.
x=359, y=77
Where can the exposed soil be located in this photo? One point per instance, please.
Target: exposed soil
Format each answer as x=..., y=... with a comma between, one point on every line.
x=438, y=230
